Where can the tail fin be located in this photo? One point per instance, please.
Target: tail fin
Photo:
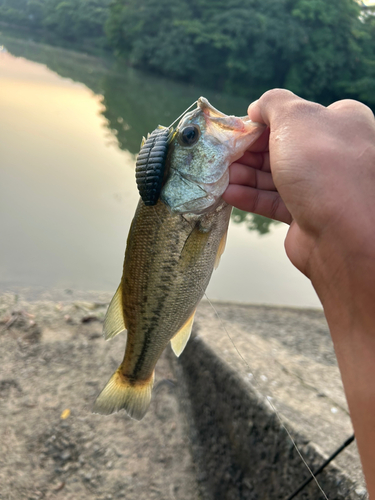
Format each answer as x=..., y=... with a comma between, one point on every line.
x=121, y=393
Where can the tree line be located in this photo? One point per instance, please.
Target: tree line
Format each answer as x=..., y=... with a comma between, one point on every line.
x=321, y=50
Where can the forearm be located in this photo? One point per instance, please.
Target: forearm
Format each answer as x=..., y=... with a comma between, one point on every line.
x=349, y=304
x=355, y=350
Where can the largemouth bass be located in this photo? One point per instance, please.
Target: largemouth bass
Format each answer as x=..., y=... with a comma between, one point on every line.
x=171, y=251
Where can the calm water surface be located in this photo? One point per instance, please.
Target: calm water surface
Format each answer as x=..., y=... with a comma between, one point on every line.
x=70, y=127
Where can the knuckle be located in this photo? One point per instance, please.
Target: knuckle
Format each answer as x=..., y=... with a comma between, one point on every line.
x=277, y=95
x=301, y=108
x=256, y=201
x=275, y=207
x=353, y=108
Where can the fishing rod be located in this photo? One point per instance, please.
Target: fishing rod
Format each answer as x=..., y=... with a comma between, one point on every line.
x=322, y=467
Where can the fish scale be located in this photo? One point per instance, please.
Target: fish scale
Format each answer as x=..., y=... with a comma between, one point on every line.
x=167, y=310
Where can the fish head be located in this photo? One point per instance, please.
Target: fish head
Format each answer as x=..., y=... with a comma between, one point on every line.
x=203, y=146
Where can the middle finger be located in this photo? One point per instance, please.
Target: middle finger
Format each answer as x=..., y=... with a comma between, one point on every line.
x=243, y=175
x=260, y=161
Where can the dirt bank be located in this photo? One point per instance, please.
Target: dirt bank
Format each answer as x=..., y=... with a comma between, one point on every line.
x=53, y=363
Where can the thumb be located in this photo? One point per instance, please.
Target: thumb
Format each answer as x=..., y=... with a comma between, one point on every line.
x=271, y=107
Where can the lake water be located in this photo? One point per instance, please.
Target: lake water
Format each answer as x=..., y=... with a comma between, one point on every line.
x=70, y=128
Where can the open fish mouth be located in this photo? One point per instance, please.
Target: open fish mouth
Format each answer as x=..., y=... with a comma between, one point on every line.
x=230, y=121
x=223, y=126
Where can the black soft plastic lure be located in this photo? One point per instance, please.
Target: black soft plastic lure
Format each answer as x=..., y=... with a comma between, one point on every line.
x=150, y=164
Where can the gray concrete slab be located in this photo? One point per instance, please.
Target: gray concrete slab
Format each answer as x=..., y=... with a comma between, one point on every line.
x=269, y=352
x=239, y=357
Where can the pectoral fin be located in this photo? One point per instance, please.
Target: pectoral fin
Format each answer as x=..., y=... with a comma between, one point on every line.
x=221, y=249
x=194, y=246
x=181, y=338
x=114, y=322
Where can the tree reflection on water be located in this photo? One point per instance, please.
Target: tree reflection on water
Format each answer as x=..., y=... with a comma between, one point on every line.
x=253, y=222
x=134, y=103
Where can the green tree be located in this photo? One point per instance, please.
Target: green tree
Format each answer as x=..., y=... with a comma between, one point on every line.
x=14, y=12
x=330, y=51
x=75, y=20
x=363, y=87
x=321, y=50
x=315, y=48
x=149, y=34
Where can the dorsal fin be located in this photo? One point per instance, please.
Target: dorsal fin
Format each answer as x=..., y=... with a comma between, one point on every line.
x=114, y=321
x=221, y=249
x=181, y=338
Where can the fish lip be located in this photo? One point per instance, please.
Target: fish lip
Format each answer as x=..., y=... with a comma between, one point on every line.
x=240, y=124
x=207, y=108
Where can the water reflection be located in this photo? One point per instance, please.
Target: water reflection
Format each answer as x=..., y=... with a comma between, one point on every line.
x=253, y=222
x=134, y=103
x=69, y=195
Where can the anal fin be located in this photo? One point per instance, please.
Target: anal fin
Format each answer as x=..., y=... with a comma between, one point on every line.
x=181, y=338
x=114, y=321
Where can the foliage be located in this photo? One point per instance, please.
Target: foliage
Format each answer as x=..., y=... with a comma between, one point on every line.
x=321, y=50
x=72, y=20
x=363, y=87
x=316, y=48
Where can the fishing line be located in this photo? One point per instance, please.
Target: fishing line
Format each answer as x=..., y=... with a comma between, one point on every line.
x=323, y=466
x=182, y=114
x=268, y=399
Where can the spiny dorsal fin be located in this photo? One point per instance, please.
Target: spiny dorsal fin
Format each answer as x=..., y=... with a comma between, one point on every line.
x=181, y=338
x=221, y=249
x=143, y=142
x=114, y=322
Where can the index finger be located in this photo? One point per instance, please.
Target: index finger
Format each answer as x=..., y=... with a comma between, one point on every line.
x=261, y=144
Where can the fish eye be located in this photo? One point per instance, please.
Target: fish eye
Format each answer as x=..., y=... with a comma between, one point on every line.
x=189, y=135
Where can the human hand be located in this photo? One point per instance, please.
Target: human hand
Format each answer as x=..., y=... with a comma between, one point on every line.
x=315, y=169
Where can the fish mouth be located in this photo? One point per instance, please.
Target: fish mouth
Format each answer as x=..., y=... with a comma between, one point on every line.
x=207, y=108
x=215, y=119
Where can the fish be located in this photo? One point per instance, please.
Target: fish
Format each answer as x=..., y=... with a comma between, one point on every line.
x=172, y=249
